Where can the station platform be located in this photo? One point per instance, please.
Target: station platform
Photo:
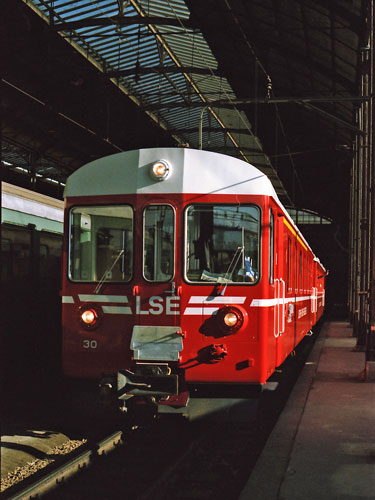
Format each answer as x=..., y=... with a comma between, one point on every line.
x=323, y=445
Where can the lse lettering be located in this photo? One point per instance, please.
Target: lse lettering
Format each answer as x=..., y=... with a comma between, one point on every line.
x=158, y=305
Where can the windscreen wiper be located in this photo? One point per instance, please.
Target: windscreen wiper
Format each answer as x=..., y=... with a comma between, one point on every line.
x=107, y=271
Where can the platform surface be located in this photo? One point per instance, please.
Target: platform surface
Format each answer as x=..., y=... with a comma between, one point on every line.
x=323, y=445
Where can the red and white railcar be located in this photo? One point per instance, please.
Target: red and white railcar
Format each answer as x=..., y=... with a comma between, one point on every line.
x=182, y=271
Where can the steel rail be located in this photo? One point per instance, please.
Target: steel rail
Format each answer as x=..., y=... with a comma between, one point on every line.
x=69, y=468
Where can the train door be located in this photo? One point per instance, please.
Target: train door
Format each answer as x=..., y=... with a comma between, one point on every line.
x=291, y=288
x=279, y=283
x=297, y=259
x=156, y=333
x=314, y=292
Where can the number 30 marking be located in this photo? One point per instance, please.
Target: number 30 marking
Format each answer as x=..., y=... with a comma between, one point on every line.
x=90, y=344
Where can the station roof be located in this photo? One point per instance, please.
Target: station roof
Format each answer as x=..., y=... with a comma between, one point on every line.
x=275, y=83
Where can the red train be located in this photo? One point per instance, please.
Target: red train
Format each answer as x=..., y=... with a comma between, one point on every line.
x=183, y=273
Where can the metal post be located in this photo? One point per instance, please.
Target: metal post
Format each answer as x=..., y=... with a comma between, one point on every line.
x=370, y=340
x=362, y=290
x=358, y=222
x=354, y=240
x=352, y=264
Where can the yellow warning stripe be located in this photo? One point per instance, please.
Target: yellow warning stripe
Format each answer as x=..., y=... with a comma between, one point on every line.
x=291, y=228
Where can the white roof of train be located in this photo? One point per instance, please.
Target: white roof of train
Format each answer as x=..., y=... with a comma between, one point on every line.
x=193, y=171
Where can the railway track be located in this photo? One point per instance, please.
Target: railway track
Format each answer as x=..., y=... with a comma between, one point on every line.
x=169, y=459
x=64, y=469
x=192, y=456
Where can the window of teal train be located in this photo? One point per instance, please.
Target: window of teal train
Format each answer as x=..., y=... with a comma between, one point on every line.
x=222, y=243
x=158, y=243
x=101, y=243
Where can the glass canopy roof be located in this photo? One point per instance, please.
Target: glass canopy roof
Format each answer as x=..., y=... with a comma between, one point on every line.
x=156, y=55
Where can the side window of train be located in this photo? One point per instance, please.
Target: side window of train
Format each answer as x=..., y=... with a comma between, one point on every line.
x=6, y=259
x=101, y=243
x=16, y=252
x=158, y=243
x=272, y=246
x=50, y=256
x=222, y=243
x=289, y=265
x=308, y=275
x=21, y=259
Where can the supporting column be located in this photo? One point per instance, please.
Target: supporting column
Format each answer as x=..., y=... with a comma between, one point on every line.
x=363, y=212
x=354, y=261
x=370, y=340
x=363, y=208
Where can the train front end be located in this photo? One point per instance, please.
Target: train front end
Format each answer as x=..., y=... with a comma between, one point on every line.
x=162, y=270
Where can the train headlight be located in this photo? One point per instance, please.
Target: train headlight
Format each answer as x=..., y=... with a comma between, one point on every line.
x=160, y=170
x=89, y=316
x=229, y=319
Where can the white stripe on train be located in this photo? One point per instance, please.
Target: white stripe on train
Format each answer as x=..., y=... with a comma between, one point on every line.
x=204, y=301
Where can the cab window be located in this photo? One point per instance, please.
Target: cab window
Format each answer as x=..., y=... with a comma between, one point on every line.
x=101, y=243
x=222, y=243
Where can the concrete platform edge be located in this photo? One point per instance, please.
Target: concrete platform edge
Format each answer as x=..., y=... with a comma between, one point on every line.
x=270, y=469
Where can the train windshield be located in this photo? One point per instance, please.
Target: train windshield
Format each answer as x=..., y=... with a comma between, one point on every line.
x=101, y=243
x=158, y=243
x=222, y=243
